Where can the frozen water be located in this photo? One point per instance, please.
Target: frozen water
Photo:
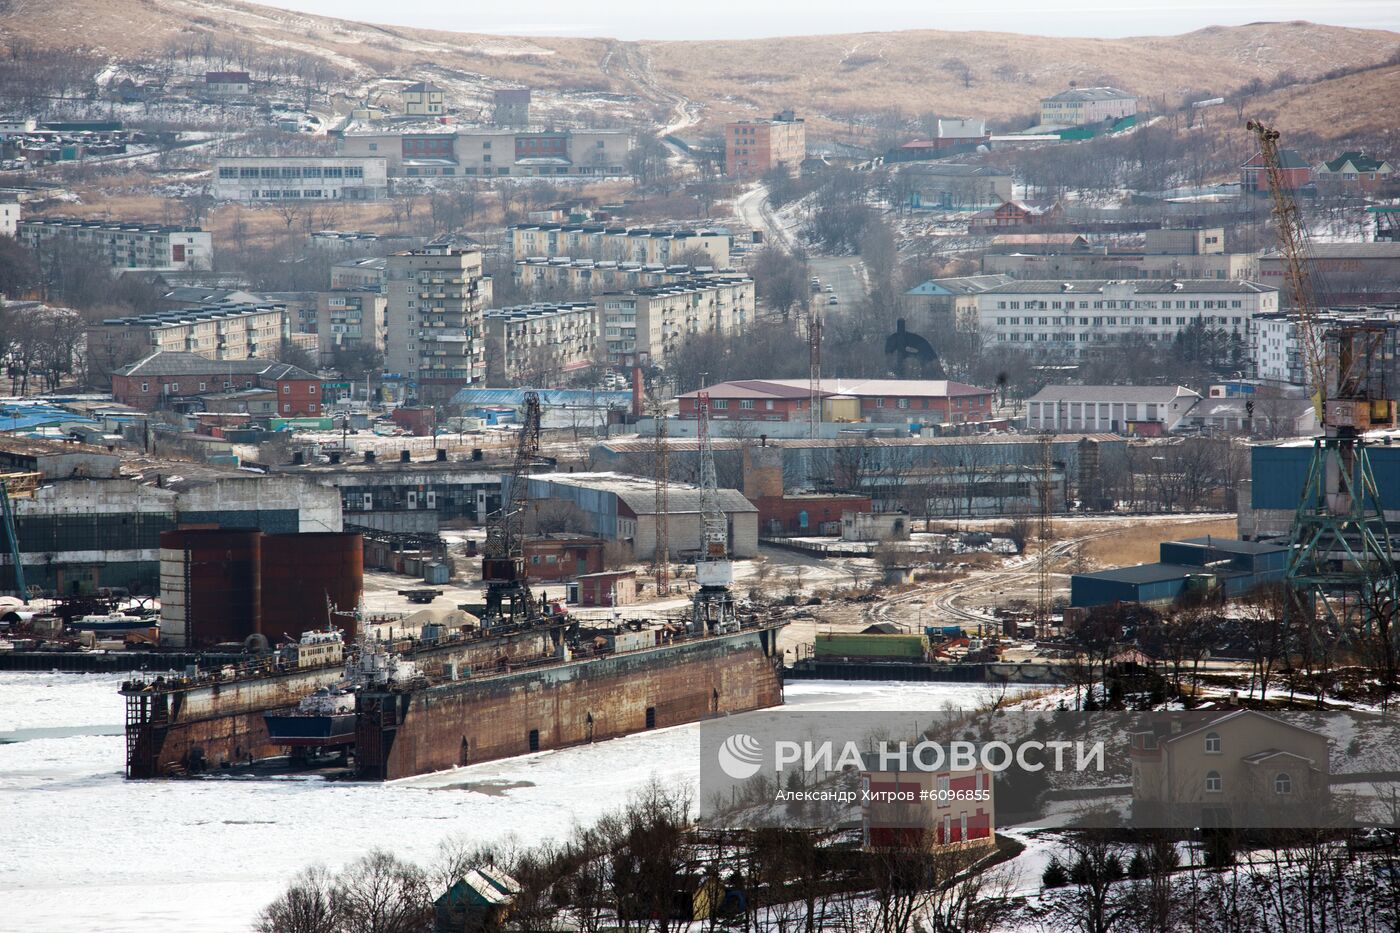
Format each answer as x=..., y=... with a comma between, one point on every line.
x=86, y=850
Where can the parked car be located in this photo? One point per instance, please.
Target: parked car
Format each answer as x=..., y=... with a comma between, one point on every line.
x=833, y=300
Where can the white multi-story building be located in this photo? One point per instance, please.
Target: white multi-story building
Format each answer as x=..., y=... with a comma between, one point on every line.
x=125, y=245
x=349, y=318
x=541, y=343
x=650, y=324
x=1277, y=349
x=434, y=333
x=1079, y=106
x=602, y=243
x=1054, y=318
x=311, y=178
x=9, y=218
x=438, y=150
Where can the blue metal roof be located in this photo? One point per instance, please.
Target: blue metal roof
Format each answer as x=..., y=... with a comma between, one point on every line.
x=25, y=416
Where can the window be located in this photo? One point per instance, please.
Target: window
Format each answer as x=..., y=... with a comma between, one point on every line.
x=721, y=403
x=286, y=409
x=145, y=387
x=1212, y=743
x=1283, y=783
x=201, y=387
x=311, y=390
x=746, y=403
x=286, y=389
x=1213, y=783
x=312, y=408
x=901, y=403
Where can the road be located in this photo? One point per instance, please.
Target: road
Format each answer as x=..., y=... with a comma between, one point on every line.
x=845, y=275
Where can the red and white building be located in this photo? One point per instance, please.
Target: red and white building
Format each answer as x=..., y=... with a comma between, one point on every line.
x=948, y=808
x=926, y=401
x=164, y=378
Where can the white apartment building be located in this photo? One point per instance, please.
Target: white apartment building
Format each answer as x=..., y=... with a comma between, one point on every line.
x=9, y=218
x=1079, y=106
x=310, y=178
x=541, y=343
x=650, y=324
x=349, y=318
x=619, y=244
x=217, y=332
x=1277, y=349
x=1079, y=318
x=433, y=150
x=434, y=319
x=359, y=273
x=553, y=277
x=125, y=245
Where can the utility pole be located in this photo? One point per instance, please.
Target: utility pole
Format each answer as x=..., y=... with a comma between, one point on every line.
x=1045, y=492
x=814, y=374
x=661, y=555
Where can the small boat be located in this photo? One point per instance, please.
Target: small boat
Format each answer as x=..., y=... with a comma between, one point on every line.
x=323, y=719
x=112, y=622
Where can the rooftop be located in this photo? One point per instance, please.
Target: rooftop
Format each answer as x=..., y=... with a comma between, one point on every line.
x=192, y=315
x=799, y=388
x=1382, y=249
x=959, y=285
x=953, y=170
x=1138, y=286
x=1159, y=395
x=1144, y=573
x=113, y=225
x=639, y=494
x=1360, y=162
x=173, y=363
x=1090, y=94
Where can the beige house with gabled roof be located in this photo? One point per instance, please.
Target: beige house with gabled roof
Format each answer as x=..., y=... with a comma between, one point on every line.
x=1243, y=762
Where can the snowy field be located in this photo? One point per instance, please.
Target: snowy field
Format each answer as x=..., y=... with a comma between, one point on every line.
x=85, y=850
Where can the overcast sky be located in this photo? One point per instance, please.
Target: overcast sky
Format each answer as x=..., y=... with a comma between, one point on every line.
x=720, y=19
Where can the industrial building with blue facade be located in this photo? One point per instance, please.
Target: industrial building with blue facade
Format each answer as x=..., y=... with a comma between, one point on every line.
x=1196, y=565
x=1280, y=471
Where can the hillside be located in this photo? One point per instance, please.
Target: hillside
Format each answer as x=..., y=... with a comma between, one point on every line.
x=836, y=81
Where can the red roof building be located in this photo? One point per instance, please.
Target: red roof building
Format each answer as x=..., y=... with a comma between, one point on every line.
x=1011, y=214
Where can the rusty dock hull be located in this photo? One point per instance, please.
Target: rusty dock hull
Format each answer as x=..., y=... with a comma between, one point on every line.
x=178, y=726
x=404, y=733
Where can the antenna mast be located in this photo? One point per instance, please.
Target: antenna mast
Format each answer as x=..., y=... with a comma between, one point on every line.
x=814, y=374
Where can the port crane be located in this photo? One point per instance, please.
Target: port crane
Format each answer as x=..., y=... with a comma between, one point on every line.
x=14, y=485
x=508, y=596
x=1341, y=563
x=712, y=606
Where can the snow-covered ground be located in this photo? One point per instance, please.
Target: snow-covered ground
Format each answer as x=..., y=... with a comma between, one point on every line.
x=86, y=850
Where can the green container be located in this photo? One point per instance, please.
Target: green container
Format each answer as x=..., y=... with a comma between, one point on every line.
x=905, y=647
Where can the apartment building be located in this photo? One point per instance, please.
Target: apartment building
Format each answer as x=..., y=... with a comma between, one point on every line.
x=1277, y=350
x=423, y=99
x=9, y=218
x=433, y=333
x=561, y=275
x=218, y=332
x=313, y=178
x=1082, y=317
x=441, y=150
x=359, y=273
x=601, y=243
x=650, y=324
x=541, y=344
x=1079, y=106
x=349, y=318
x=1170, y=253
x=752, y=147
x=1148, y=411
x=125, y=245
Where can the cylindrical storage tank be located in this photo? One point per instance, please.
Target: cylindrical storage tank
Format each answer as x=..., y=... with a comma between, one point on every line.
x=214, y=580
x=304, y=576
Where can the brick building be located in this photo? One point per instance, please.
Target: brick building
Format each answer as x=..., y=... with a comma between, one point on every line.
x=563, y=556
x=170, y=379
x=753, y=147
x=1295, y=170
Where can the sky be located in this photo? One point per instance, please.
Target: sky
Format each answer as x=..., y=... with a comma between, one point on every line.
x=744, y=19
